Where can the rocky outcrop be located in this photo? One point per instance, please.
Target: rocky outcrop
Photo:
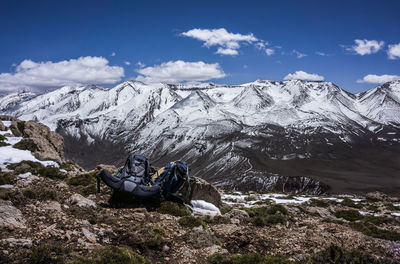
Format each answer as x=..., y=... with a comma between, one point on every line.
x=2, y=126
x=10, y=216
x=202, y=190
x=79, y=200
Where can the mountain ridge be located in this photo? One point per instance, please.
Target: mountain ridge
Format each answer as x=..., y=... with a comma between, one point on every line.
x=253, y=125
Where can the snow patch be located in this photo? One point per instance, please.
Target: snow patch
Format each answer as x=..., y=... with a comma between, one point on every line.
x=204, y=208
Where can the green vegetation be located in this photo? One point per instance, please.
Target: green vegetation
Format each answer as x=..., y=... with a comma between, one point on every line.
x=350, y=203
x=251, y=258
x=262, y=216
x=337, y=255
x=190, y=221
x=369, y=229
x=26, y=144
x=173, y=209
x=225, y=209
x=349, y=215
x=111, y=255
x=68, y=166
x=319, y=203
x=218, y=219
x=48, y=254
x=376, y=220
x=36, y=168
x=150, y=236
x=6, y=178
x=86, y=183
x=2, y=141
x=40, y=194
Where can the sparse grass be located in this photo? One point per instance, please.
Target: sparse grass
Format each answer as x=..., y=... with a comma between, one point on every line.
x=6, y=178
x=250, y=258
x=190, y=221
x=376, y=220
x=5, y=194
x=369, y=229
x=26, y=144
x=3, y=144
x=349, y=215
x=218, y=219
x=2, y=138
x=40, y=194
x=350, y=203
x=86, y=183
x=48, y=254
x=225, y=209
x=173, y=209
x=337, y=255
x=66, y=166
x=51, y=172
x=25, y=166
x=262, y=216
x=372, y=207
x=111, y=255
x=150, y=236
x=319, y=203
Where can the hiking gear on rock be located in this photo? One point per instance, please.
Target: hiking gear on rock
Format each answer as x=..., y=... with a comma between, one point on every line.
x=134, y=179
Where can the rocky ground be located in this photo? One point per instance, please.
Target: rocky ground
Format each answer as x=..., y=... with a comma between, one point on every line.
x=55, y=215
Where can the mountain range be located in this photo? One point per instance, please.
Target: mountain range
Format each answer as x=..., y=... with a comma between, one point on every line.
x=293, y=135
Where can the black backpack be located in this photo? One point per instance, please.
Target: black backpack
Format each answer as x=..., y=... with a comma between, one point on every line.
x=137, y=169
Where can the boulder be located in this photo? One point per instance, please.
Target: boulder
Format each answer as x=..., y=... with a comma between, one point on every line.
x=202, y=190
x=2, y=126
x=200, y=238
x=238, y=214
x=50, y=145
x=376, y=196
x=10, y=217
x=81, y=201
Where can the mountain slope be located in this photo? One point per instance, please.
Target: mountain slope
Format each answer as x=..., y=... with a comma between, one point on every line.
x=241, y=136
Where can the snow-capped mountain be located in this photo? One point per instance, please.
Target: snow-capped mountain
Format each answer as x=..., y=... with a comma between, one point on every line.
x=230, y=135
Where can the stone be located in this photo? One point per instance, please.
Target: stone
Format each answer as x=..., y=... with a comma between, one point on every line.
x=13, y=242
x=10, y=217
x=81, y=201
x=2, y=126
x=376, y=196
x=237, y=214
x=6, y=186
x=215, y=249
x=202, y=190
x=52, y=206
x=200, y=238
x=89, y=235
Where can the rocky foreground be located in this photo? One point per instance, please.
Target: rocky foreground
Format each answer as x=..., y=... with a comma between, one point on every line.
x=51, y=214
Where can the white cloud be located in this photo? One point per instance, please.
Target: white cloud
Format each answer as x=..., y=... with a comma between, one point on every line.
x=372, y=78
x=127, y=63
x=223, y=51
x=245, y=66
x=228, y=42
x=140, y=64
x=269, y=52
x=394, y=51
x=298, y=54
x=323, y=54
x=113, y=54
x=366, y=47
x=180, y=71
x=301, y=75
x=46, y=75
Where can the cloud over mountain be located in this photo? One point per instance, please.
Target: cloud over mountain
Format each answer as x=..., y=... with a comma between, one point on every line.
x=394, y=51
x=47, y=75
x=373, y=78
x=301, y=75
x=181, y=71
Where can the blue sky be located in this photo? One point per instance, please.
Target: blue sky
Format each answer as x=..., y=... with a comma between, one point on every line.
x=42, y=42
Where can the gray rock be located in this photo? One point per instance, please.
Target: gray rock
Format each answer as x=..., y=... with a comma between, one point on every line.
x=10, y=217
x=13, y=242
x=2, y=126
x=237, y=214
x=89, y=235
x=200, y=238
x=203, y=190
x=81, y=201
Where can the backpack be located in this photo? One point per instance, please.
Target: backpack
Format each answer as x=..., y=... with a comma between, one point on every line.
x=173, y=177
x=136, y=169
